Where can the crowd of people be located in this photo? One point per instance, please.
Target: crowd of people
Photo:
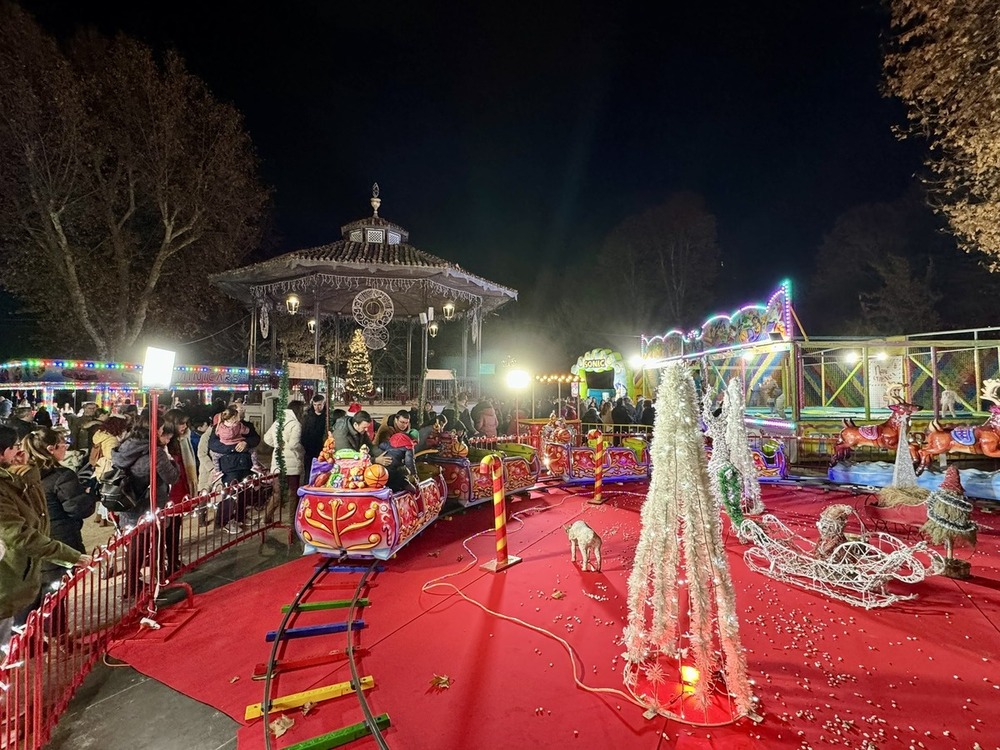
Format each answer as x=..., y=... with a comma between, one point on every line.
x=52, y=461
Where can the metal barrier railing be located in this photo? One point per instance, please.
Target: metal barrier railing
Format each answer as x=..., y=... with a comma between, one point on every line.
x=62, y=640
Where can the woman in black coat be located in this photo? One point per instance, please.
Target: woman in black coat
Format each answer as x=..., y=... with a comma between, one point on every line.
x=68, y=503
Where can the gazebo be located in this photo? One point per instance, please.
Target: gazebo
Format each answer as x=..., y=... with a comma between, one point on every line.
x=373, y=276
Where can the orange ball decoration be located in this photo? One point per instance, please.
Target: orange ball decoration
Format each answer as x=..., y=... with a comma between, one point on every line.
x=460, y=449
x=376, y=476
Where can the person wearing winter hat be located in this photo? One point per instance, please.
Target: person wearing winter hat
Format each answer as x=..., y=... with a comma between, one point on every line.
x=403, y=469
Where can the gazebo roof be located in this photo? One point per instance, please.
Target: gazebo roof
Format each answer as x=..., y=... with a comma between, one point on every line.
x=372, y=254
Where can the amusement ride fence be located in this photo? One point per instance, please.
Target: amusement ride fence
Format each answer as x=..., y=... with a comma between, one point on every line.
x=63, y=639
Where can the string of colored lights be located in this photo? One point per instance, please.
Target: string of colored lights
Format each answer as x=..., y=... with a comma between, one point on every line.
x=72, y=364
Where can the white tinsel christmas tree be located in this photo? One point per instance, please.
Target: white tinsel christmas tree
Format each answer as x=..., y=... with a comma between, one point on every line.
x=740, y=454
x=722, y=475
x=904, y=489
x=359, y=381
x=681, y=601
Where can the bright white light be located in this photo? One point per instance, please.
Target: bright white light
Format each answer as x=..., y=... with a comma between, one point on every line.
x=518, y=380
x=851, y=357
x=881, y=356
x=158, y=368
x=747, y=355
x=636, y=362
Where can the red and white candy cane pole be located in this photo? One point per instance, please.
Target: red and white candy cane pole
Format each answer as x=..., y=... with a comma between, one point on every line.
x=493, y=466
x=598, y=464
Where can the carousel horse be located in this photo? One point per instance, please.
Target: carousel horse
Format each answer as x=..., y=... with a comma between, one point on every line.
x=980, y=441
x=884, y=436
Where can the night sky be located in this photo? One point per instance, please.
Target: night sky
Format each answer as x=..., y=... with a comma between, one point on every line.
x=511, y=136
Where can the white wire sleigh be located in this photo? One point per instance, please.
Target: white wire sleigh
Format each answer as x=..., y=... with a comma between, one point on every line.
x=856, y=571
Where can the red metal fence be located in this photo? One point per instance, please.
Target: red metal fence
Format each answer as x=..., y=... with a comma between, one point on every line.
x=64, y=638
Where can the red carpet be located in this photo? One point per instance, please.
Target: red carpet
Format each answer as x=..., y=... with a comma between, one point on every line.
x=826, y=673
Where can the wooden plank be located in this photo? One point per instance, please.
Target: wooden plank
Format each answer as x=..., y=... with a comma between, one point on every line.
x=332, y=604
x=350, y=568
x=342, y=736
x=310, y=630
x=291, y=665
x=297, y=700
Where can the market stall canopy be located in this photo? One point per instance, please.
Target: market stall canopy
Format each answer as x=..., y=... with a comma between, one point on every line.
x=373, y=253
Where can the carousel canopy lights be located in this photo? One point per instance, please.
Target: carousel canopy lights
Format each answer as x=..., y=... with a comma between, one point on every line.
x=747, y=355
x=448, y=310
x=637, y=361
x=518, y=380
x=292, y=303
x=157, y=368
x=558, y=378
x=432, y=328
x=851, y=357
x=881, y=356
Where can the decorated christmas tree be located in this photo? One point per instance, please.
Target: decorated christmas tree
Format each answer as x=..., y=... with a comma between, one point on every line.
x=681, y=602
x=948, y=520
x=359, y=381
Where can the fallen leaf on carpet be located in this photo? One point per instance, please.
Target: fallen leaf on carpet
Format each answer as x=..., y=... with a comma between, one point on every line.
x=307, y=707
x=435, y=553
x=441, y=681
x=233, y=679
x=281, y=725
x=557, y=594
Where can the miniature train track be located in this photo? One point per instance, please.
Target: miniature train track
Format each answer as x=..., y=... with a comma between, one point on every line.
x=372, y=724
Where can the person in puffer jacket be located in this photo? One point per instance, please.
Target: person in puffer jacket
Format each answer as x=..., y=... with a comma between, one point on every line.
x=292, y=452
x=132, y=456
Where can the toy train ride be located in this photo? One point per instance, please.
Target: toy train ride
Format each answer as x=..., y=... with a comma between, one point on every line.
x=346, y=509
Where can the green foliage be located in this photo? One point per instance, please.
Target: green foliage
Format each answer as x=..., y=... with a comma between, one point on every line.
x=279, y=442
x=732, y=488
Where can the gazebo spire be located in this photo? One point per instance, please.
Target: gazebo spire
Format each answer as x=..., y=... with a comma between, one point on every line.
x=376, y=201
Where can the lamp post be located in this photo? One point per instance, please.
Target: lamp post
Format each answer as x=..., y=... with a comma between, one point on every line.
x=427, y=320
x=157, y=370
x=517, y=381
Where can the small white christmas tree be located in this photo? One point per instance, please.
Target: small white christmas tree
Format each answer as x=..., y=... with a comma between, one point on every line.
x=904, y=489
x=722, y=476
x=740, y=454
x=681, y=601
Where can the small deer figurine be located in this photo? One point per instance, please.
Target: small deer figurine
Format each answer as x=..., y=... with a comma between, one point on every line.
x=949, y=400
x=584, y=538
